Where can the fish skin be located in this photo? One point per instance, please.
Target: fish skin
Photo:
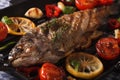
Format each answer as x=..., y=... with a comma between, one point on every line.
x=37, y=47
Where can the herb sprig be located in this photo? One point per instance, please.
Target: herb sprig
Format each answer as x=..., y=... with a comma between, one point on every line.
x=57, y=27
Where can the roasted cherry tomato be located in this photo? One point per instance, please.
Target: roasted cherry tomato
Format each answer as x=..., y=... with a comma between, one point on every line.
x=118, y=41
x=114, y=23
x=3, y=31
x=105, y=2
x=108, y=48
x=85, y=4
x=28, y=70
x=68, y=2
x=52, y=10
x=49, y=71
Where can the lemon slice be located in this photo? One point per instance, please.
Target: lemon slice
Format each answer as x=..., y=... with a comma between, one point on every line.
x=20, y=26
x=84, y=65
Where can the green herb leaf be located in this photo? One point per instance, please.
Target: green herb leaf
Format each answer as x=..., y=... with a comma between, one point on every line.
x=118, y=19
x=75, y=64
x=6, y=20
x=69, y=9
x=58, y=34
x=6, y=45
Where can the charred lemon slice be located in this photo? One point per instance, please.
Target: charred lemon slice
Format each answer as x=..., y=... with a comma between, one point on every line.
x=84, y=65
x=20, y=25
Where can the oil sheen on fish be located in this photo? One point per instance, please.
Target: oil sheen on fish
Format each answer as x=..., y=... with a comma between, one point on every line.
x=57, y=38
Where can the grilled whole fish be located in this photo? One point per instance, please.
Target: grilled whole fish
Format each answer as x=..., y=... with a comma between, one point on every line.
x=57, y=38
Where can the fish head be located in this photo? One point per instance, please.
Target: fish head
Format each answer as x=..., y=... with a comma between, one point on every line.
x=24, y=51
x=33, y=48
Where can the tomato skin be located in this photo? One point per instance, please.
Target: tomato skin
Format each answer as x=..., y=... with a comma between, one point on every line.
x=49, y=71
x=114, y=23
x=52, y=10
x=27, y=70
x=3, y=31
x=105, y=2
x=118, y=39
x=85, y=4
x=88, y=4
x=108, y=48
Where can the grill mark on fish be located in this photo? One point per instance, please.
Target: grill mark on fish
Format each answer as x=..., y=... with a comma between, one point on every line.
x=85, y=20
x=92, y=22
x=90, y=18
x=76, y=28
x=63, y=35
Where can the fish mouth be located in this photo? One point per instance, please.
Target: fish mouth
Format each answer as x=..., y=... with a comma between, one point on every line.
x=23, y=61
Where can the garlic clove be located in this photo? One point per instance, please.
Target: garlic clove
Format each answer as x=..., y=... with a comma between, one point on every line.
x=34, y=13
